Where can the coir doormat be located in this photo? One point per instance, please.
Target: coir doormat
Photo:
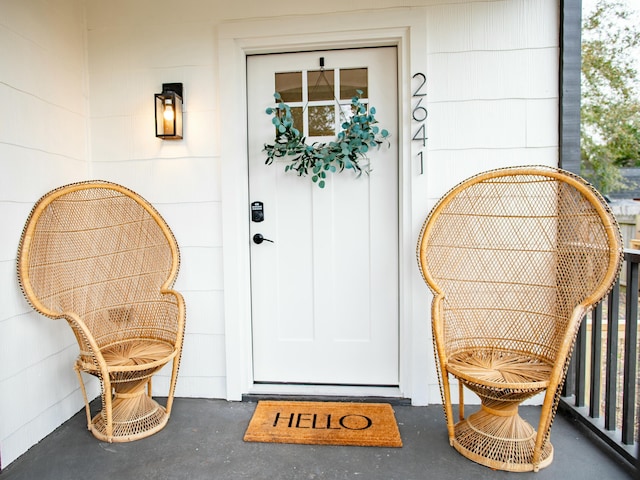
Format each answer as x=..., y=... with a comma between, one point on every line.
x=324, y=423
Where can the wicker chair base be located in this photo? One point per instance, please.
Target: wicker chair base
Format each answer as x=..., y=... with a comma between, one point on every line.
x=134, y=417
x=135, y=414
x=504, y=443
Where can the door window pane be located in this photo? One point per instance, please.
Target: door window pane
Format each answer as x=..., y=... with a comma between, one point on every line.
x=322, y=121
x=346, y=112
x=298, y=122
x=352, y=79
x=289, y=86
x=320, y=85
x=296, y=113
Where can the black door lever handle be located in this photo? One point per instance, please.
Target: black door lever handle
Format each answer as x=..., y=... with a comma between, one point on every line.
x=258, y=239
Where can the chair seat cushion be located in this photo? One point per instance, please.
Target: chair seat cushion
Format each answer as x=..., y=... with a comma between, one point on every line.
x=500, y=369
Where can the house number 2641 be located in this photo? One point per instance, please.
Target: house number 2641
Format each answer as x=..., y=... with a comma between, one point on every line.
x=419, y=115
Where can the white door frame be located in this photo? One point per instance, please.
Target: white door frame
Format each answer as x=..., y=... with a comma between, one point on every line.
x=400, y=28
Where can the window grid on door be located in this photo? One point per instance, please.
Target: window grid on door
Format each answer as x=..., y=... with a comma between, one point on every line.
x=320, y=104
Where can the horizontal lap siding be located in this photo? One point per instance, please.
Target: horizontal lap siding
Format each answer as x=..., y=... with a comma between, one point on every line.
x=43, y=144
x=493, y=88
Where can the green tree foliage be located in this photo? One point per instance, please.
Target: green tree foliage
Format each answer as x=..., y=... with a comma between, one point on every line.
x=610, y=112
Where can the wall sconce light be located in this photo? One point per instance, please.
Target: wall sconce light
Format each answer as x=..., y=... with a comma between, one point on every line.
x=169, y=112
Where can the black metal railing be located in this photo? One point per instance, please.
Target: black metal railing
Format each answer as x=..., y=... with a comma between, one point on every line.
x=602, y=389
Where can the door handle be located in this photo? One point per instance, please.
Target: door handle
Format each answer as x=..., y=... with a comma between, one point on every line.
x=258, y=239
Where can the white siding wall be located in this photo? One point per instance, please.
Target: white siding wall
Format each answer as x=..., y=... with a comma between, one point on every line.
x=492, y=98
x=127, y=65
x=43, y=144
x=493, y=88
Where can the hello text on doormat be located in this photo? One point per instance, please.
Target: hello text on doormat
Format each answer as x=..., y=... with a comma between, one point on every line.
x=324, y=423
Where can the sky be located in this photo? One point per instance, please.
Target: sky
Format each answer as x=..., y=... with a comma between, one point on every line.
x=633, y=6
x=589, y=4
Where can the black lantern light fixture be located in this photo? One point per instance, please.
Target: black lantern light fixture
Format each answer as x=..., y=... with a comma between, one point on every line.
x=169, y=112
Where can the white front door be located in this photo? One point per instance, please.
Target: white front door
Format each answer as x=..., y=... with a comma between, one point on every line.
x=325, y=288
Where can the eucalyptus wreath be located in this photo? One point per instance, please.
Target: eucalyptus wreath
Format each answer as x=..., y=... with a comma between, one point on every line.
x=349, y=150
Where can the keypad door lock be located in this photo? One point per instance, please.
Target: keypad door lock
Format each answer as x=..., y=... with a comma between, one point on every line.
x=257, y=212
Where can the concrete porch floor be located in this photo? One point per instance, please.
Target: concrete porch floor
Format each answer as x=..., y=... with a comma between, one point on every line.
x=203, y=440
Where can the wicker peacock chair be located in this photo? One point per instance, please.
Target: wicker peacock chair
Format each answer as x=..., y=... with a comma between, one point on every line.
x=99, y=256
x=515, y=258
